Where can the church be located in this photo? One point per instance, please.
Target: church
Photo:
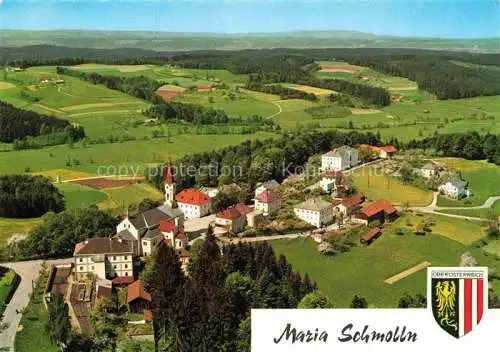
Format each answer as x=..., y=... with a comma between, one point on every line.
x=146, y=229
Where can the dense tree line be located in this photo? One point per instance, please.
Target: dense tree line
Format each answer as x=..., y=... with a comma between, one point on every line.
x=141, y=87
x=209, y=310
x=25, y=196
x=57, y=235
x=278, y=89
x=17, y=124
x=470, y=145
x=367, y=94
x=257, y=160
x=435, y=71
x=445, y=79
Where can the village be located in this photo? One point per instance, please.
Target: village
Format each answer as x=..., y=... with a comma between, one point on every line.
x=330, y=208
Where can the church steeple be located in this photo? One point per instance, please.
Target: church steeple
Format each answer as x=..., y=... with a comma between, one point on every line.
x=169, y=185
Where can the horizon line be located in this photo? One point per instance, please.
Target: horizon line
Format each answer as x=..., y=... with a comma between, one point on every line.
x=227, y=34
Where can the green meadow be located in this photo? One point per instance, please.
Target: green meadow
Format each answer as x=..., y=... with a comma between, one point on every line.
x=483, y=178
x=362, y=270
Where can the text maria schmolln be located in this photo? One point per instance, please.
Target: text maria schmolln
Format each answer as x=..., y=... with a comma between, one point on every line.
x=348, y=334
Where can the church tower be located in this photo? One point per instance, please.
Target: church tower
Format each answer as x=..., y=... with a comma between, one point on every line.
x=169, y=186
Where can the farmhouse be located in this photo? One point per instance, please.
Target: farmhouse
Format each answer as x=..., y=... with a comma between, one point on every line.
x=138, y=299
x=429, y=170
x=339, y=159
x=371, y=235
x=205, y=88
x=350, y=205
x=330, y=181
x=267, y=202
x=270, y=185
x=385, y=152
x=455, y=189
x=315, y=211
x=381, y=210
x=231, y=219
x=193, y=203
x=104, y=258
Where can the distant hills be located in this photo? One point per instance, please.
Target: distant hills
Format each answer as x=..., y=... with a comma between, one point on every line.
x=172, y=41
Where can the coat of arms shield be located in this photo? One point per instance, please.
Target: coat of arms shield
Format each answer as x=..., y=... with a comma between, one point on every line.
x=457, y=297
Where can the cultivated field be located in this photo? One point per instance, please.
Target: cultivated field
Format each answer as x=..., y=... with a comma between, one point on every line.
x=377, y=186
x=309, y=89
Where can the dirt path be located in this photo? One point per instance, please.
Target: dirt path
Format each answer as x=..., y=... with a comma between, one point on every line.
x=45, y=107
x=101, y=112
x=276, y=103
x=406, y=273
x=433, y=208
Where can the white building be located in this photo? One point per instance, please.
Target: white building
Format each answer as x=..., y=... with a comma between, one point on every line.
x=315, y=211
x=194, y=204
x=267, y=202
x=144, y=225
x=104, y=258
x=270, y=185
x=209, y=191
x=330, y=181
x=231, y=220
x=339, y=159
x=455, y=189
x=429, y=170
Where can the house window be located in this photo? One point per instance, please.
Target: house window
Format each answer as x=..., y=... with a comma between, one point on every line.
x=81, y=268
x=114, y=266
x=126, y=266
x=114, y=257
x=81, y=260
x=92, y=268
x=126, y=273
x=125, y=258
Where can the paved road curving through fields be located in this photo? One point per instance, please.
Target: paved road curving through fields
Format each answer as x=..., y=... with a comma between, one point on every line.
x=28, y=271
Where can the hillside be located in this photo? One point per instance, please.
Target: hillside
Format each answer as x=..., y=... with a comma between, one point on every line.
x=172, y=41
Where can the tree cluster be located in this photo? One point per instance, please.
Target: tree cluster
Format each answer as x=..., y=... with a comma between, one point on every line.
x=141, y=87
x=470, y=145
x=257, y=160
x=25, y=196
x=209, y=310
x=17, y=124
x=278, y=89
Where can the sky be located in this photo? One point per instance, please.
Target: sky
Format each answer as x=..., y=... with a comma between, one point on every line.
x=418, y=18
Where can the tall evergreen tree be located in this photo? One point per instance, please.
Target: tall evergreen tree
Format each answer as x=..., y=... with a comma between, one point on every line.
x=58, y=327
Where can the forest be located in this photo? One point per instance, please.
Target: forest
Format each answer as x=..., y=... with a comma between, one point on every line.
x=470, y=145
x=278, y=89
x=17, y=124
x=434, y=71
x=258, y=160
x=209, y=310
x=25, y=196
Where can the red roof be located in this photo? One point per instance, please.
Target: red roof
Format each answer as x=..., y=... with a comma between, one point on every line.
x=79, y=246
x=122, y=280
x=243, y=209
x=229, y=214
x=353, y=201
x=370, y=235
x=181, y=236
x=167, y=242
x=135, y=290
x=332, y=175
x=167, y=225
x=387, y=148
x=168, y=174
x=192, y=196
x=267, y=196
x=378, y=206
